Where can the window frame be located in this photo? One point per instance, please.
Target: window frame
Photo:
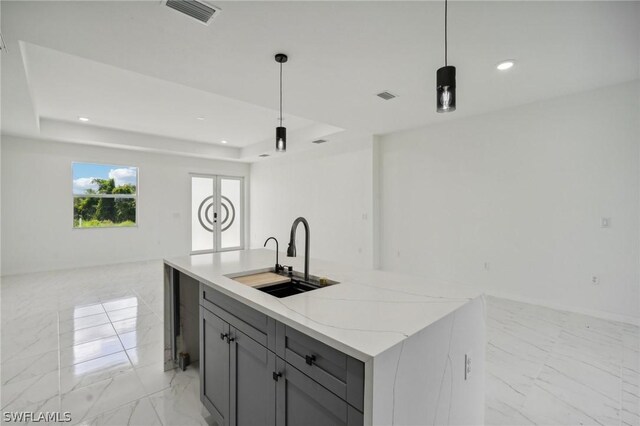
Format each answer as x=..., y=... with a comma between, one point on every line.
x=114, y=196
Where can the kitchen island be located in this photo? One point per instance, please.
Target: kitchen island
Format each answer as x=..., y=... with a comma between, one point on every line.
x=375, y=348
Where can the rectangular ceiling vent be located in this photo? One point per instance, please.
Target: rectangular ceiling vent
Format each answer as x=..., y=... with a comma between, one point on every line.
x=203, y=12
x=263, y=155
x=386, y=95
x=319, y=141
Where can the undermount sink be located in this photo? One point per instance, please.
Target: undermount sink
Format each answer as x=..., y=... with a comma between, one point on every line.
x=281, y=284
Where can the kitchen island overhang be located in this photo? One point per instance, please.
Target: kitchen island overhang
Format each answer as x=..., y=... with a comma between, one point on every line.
x=421, y=341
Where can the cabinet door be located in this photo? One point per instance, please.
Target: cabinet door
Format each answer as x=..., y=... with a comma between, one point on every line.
x=302, y=401
x=253, y=388
x=214, y=366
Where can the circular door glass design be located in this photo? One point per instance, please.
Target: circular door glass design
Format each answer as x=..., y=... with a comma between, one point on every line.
x=207, y=213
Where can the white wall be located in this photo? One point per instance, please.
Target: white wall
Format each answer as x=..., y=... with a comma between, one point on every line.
x=37, y=206
x=332, y=190
x=523, y=189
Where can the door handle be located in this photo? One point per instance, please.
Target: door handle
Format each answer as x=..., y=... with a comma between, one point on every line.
x=276, y=376
x=310, y=359
x=223, y=336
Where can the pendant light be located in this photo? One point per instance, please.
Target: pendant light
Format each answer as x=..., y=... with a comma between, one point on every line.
x=446, y=78
x=281, y=132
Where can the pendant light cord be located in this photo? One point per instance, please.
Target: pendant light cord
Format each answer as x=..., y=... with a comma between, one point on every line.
x=445, y=33
x=280, y=94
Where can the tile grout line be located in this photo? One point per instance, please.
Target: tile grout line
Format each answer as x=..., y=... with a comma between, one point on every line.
x=135, y=370
x=117, y=334
x=556, y=341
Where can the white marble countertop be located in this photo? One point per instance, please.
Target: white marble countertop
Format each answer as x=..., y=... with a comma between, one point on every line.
x=369, y=312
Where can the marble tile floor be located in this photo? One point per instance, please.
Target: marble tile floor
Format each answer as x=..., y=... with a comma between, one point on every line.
x=89, y=341
x=549, y=367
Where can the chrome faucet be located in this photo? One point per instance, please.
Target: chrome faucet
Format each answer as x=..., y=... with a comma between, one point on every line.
x=291, y=251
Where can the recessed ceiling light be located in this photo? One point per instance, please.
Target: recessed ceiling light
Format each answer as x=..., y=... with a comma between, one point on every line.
x=85, y=119
x=263, y=155
x=200, y=118
x=223, y=141
x=505, y=65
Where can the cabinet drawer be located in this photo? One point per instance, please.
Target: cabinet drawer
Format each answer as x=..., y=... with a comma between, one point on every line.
x=254, y=324
x=336, y=371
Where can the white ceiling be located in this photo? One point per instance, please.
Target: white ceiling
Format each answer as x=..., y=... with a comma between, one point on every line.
x=65, y=87
x=134, y=61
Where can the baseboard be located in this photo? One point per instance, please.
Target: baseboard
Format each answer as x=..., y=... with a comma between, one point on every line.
x=561, y=307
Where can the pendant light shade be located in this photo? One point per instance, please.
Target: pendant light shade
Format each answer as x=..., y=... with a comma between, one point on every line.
x=281, y=139
x=281, y=132
x=446, y=89
x=446, y=78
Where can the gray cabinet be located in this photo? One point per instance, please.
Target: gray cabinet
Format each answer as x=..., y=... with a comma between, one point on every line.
x=252, y=385
x=339, y=373
x=214, y=366
x=303, y=401
x=236, y=375
x=244, y=382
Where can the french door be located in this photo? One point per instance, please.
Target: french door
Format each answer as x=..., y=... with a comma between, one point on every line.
x=217, y=213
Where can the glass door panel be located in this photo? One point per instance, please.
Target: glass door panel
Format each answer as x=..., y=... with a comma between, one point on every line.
x=203, y=213
x=231, y=213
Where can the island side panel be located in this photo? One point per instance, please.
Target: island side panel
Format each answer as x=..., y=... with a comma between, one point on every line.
x=183, y=332
x=169, y=362
x=422, y=379
x=189, y=333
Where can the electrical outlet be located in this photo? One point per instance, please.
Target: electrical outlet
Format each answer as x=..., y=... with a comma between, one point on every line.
x=595, y=280
x=605, y=222
x=467, y=366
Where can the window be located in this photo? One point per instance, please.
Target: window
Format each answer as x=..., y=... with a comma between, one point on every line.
x=217, y=222
x=104, y=195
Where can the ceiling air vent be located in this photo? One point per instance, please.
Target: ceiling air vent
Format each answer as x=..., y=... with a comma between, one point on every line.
x=263, y=155
x=201, y=11
x=386, y=95
x=319, y=141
